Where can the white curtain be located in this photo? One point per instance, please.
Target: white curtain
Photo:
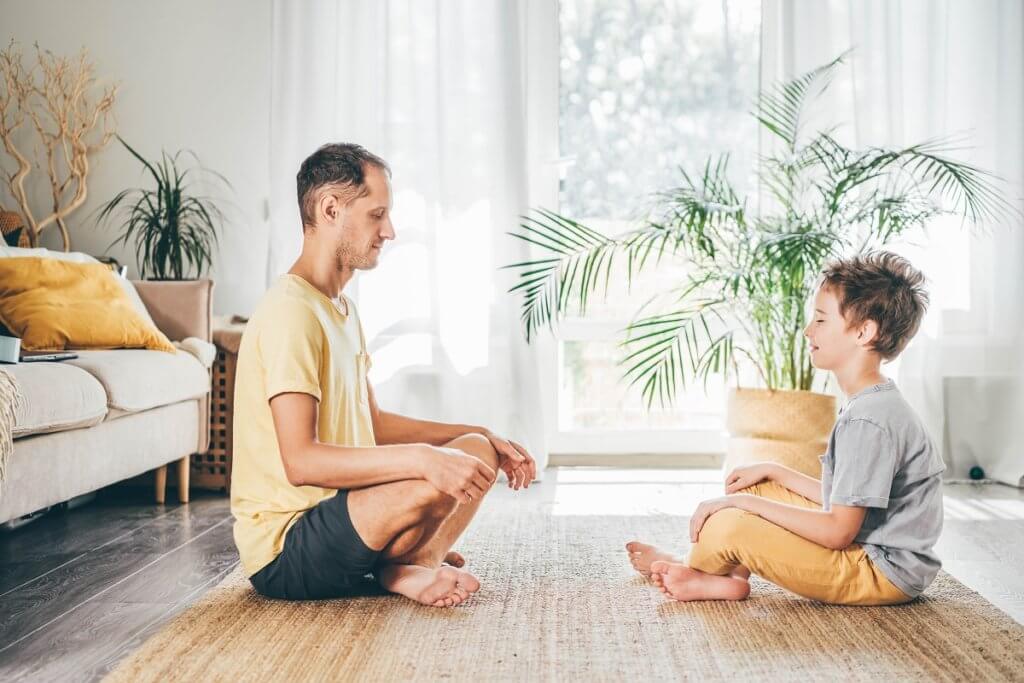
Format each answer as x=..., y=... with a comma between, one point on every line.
x=436, y=89
x=922, y=69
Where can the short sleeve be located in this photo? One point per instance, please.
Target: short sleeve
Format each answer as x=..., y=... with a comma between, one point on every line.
x=291, y=349
x=864, y=465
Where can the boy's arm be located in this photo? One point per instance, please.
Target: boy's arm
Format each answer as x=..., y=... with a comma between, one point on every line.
x=834, y=529
x=797, y=482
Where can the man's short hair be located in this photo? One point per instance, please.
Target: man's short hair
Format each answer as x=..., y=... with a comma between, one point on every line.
x=339, y=165
x=883, y=287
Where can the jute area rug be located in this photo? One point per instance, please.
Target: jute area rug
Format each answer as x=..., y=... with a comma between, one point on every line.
x=559, y=602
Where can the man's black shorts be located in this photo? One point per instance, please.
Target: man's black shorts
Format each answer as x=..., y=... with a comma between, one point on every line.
x=323, y=557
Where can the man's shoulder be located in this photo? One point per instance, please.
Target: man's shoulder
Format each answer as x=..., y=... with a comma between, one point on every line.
x=283, y=302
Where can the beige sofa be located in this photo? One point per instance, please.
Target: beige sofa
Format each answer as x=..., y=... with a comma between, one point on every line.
x=111, y=415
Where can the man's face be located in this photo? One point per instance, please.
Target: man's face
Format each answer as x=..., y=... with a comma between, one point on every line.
x=365, y=224
x=832, y=341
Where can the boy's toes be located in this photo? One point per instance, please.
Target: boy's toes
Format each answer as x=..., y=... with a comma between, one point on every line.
x=659, y=567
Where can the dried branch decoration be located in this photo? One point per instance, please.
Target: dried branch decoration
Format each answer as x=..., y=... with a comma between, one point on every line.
x=56, y=96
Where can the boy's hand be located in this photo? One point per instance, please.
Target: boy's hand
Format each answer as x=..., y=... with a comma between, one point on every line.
x=745, y=476
x=708, y=508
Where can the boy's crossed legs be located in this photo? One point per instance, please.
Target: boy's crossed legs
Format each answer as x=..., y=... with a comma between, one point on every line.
x=733, y=543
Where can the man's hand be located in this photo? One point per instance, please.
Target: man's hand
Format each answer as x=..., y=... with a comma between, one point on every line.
x=458, y=474
x=514, y=461
x=710, y=507
x=746, y=476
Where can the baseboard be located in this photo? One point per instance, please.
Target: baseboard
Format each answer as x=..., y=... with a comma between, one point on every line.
x=638, y=460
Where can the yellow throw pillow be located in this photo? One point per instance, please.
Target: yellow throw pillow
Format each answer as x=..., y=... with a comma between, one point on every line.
x=54, y=305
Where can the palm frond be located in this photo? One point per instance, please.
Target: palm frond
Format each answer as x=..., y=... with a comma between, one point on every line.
x=780, y=107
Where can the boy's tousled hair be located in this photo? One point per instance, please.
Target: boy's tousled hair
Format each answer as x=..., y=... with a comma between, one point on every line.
x=883, y=287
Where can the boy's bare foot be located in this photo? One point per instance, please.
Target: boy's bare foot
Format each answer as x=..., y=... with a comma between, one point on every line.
x=440, y=587
x=641, y=555
x=455, y=559
x=679, y=582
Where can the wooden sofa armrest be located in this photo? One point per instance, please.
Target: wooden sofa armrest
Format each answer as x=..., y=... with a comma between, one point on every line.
x=180, y=308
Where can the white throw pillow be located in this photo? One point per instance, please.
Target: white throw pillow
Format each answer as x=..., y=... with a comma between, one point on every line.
x=78, y=257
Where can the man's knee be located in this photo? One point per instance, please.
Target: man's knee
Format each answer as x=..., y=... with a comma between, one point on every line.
x=427, y=501
x=479, y=447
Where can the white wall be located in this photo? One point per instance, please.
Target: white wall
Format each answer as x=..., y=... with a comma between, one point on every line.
x=193, y=75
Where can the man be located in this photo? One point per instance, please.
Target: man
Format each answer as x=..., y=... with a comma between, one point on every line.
x=327, y=488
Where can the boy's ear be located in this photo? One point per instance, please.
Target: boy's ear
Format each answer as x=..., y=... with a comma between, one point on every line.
x=867, y=332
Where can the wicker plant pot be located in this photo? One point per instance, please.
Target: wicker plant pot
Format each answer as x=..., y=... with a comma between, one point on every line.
x=787, y=427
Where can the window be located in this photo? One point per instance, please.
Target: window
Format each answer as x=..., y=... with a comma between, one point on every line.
x=643, y=88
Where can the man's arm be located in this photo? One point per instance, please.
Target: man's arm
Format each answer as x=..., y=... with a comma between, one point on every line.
x=834, y=529
x=308, y=462
x=392, y=428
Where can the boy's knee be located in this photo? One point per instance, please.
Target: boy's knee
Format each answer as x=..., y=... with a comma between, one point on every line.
x=722, y=534
x=726, y=528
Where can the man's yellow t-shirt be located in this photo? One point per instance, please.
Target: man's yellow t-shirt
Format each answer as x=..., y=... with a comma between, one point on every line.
x=298, y=340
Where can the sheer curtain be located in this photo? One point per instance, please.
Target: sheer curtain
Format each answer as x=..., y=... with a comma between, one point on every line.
x=922, y=69
x=436, y=89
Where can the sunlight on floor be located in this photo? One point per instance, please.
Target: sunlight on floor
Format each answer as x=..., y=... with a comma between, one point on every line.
x=580, y=491
x=984, y=508
x=637, y=492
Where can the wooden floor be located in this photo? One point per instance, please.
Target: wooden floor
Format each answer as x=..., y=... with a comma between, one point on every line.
x=79, y=589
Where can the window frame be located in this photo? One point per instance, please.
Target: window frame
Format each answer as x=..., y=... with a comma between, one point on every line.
x=680, y=447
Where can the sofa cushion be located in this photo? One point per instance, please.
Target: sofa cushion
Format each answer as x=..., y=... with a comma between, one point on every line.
x=57, y=397
x=137, y=380
x=53, y=305
x=77, y=257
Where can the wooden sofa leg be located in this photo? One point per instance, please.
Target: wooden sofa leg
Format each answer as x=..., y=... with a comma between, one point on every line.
x=161, y=484
x=183, y=466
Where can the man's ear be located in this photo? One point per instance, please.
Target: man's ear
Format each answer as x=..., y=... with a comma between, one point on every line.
x=329, y=206
x=867, y=332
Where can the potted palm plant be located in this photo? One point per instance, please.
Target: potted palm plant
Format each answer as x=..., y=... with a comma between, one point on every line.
x=174, y=231
x=741, y=303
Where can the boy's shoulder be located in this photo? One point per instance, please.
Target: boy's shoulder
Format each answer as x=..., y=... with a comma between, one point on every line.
x=882, y=404
x=885, y=407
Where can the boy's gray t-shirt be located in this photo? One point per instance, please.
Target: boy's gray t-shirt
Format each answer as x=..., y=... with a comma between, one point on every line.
x=880, y=457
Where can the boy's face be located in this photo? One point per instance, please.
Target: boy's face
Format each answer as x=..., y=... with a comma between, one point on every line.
x=832, y=341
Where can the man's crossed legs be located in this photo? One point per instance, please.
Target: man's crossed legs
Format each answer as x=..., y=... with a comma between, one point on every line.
x=415, y=526
x=401, y=533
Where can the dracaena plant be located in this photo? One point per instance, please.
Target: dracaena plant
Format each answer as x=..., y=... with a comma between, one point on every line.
x=748, y=275
x=173, y=229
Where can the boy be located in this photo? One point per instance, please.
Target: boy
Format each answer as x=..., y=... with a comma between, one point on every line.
x=865, y=533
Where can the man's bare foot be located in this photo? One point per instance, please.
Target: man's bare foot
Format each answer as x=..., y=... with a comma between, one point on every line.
x=679, y=582
x=455, y=559
x=440, y=587
x=641, y=555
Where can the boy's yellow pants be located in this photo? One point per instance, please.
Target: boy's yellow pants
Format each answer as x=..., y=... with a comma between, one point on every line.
x=733, y=537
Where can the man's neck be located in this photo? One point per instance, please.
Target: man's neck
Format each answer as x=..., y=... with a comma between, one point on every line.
x=859, y=374
x=323, y=275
